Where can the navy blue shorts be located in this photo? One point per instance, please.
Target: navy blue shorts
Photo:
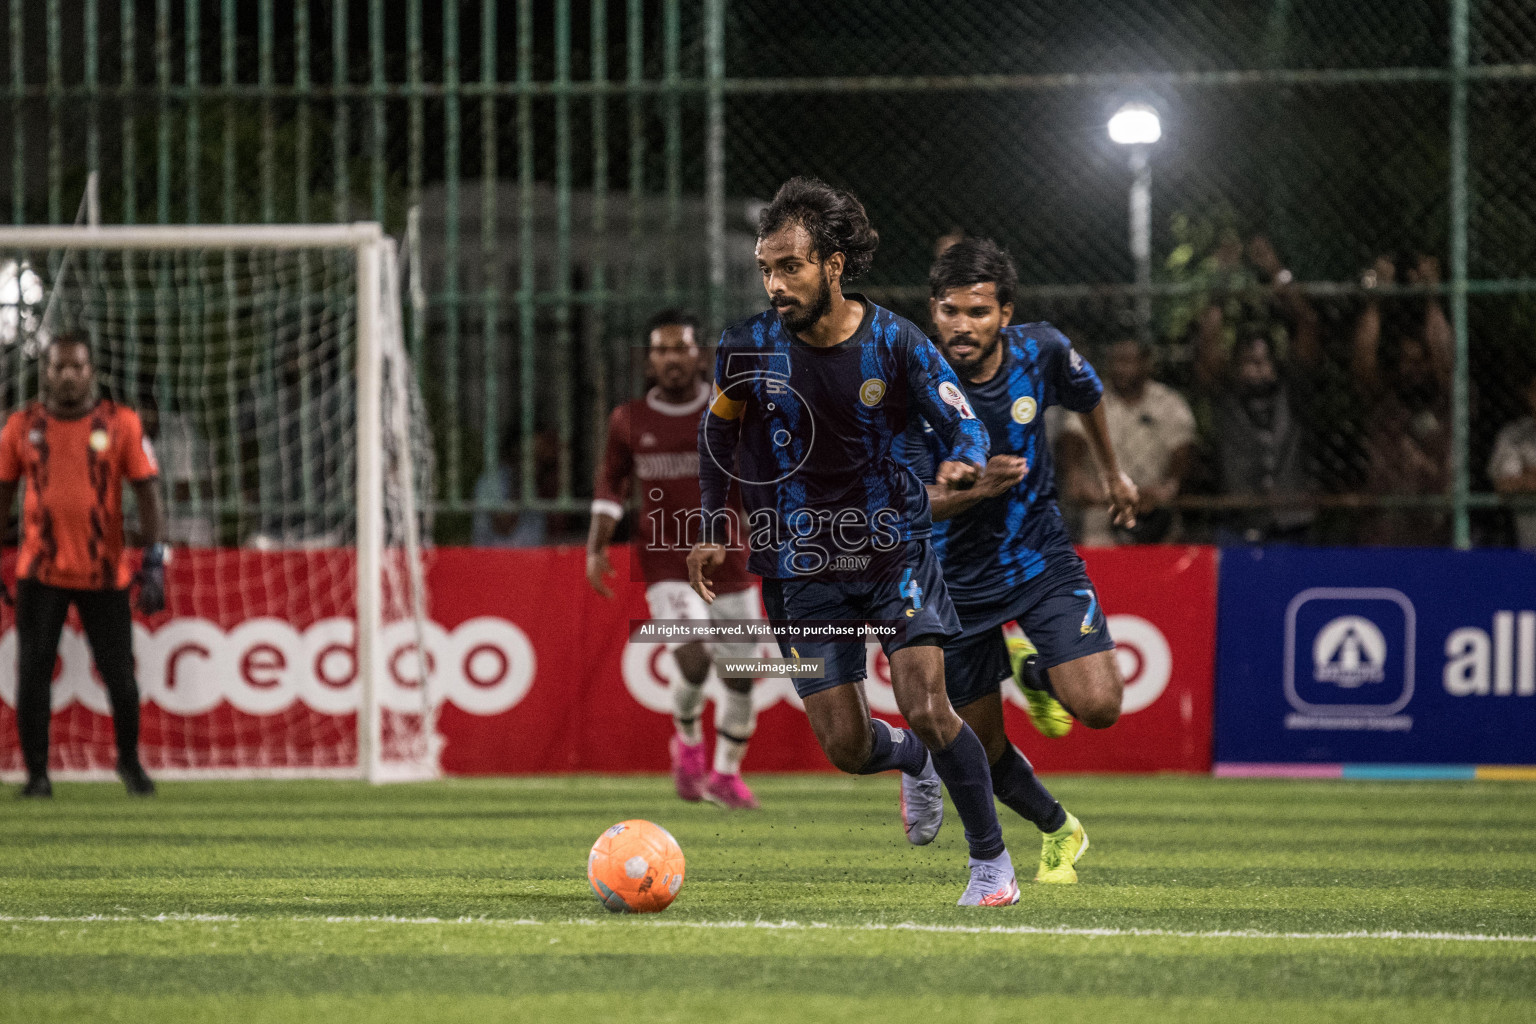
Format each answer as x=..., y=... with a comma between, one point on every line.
x=1058, y=610
x=915, y=602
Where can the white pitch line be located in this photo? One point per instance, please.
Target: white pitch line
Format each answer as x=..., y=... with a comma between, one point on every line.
x=906, y=926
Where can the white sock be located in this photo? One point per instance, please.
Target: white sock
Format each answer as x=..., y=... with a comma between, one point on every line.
x=687, y=702
x=734, y=723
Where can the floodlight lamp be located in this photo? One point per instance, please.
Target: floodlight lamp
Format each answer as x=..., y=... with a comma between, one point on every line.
x=1135, y=124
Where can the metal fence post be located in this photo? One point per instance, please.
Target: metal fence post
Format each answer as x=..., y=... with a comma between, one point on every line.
x=452, y=153
x=561, y=361
x=597, y=341
x=714, y=169
x=528, y=279
x=490, y=280
x=1460, y=410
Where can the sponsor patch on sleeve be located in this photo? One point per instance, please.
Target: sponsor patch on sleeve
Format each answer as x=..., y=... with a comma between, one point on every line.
x=955, y=399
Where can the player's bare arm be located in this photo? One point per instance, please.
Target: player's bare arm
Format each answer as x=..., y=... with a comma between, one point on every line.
x=1001, y=473
x=703, y=560
x=599, y=537
x=151, y=578
x=957, y=475
x=151, y=511
x=1123, y=495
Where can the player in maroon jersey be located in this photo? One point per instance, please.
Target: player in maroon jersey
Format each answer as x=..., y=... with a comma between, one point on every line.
x=653, y=442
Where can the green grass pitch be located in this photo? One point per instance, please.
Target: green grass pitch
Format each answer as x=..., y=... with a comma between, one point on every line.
x=1227, y=901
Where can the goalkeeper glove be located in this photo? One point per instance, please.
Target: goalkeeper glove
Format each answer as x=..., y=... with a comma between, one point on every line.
x=152, y=580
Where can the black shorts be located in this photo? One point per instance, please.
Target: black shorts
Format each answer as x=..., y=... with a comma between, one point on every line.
x=1058, y=610
x=916, y=603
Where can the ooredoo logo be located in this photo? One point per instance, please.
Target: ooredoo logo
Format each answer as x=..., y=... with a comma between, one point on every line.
x=262, y=666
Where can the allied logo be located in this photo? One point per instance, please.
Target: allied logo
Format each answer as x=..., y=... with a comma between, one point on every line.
x=1349, y=651
x=99, y=441
x=1349, y=659
x=955, y=399
x=1024, y=410
x=871, y=391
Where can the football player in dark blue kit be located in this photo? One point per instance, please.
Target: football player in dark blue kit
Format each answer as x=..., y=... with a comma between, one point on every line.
x=1005, y=551
x=808, y=398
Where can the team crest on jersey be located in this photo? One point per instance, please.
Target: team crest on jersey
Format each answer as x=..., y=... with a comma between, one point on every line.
x=871, y=391
x=35, y=438
x=952, y=396
x=99, y=441
x=647, y=438
x=1024, y=410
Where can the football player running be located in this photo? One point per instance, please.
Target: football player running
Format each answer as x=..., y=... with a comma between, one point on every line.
x=809, y=396
x=1005, y=551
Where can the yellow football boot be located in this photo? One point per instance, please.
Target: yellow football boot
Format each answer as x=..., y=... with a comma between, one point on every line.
x=1060, y=850
x=1045, y=712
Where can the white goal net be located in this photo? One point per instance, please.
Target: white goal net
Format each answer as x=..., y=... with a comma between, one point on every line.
x=268, y=367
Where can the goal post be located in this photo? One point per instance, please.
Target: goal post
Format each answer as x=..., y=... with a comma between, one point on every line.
x=270, y=366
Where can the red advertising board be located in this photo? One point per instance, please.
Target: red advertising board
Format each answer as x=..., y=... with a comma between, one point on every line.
x=533, y=672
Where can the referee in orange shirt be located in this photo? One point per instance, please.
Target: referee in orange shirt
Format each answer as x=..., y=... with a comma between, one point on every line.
x=74, y=451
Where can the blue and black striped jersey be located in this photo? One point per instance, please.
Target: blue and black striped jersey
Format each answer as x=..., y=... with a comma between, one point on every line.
x=1005, y=540
x=807, y=431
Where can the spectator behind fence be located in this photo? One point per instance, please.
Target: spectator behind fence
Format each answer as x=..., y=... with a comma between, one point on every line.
x=1401, y=367
x=188, y=471
x=942, y=244
x=1153, y=432
x=498, y=485
x=1260, y=395
x=1512, y=467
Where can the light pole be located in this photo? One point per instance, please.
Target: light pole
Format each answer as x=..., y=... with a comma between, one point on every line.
x=1136, y=125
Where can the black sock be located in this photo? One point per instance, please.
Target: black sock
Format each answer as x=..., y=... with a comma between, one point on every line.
x=890, y=747
x=1033, y=677
x=1016, y=785
x=963, y=767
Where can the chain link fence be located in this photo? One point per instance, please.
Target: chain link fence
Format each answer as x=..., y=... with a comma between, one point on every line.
x=1342, y=279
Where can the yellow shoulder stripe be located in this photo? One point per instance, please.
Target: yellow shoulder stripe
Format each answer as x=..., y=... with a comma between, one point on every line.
x=723, y=407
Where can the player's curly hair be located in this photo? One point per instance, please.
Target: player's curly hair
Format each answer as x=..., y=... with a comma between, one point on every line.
x=974, y=261
x=833, y=217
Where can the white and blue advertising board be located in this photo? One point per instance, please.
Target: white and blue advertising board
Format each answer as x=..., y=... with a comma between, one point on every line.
x=1336, y=658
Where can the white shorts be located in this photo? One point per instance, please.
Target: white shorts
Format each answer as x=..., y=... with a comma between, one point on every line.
x=674, y=599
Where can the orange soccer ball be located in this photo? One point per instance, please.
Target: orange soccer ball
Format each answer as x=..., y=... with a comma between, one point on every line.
x=635, y=867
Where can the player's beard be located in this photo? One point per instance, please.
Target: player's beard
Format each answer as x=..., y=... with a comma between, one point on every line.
x=801, y=318
x=963, y=365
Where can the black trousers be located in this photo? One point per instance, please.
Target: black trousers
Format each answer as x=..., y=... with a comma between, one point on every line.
x=108, y=622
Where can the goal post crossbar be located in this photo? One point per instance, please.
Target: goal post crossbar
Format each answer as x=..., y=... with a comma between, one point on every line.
x=195, y=236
